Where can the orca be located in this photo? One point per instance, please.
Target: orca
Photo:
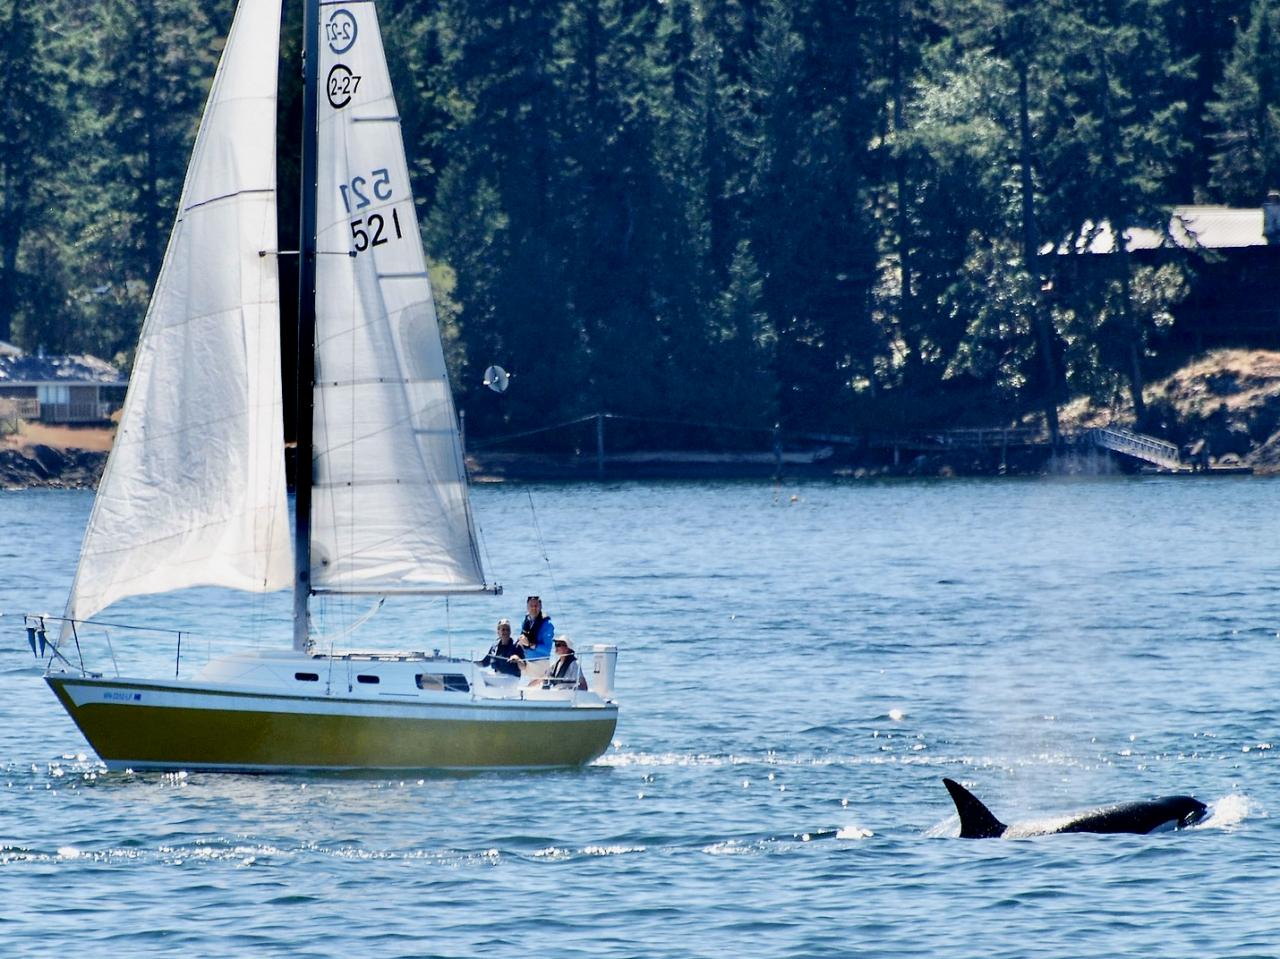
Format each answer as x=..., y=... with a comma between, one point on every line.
x=1175, y=812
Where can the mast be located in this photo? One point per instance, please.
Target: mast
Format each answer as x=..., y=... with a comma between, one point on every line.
x=306, y=325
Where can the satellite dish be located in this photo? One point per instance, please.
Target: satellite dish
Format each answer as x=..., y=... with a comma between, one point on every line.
x=496, y=378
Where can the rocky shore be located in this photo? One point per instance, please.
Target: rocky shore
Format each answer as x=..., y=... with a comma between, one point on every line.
x=1222, y=406
x=47, y=466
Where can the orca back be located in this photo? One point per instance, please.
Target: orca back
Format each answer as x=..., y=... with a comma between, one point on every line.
x=1175, y=812
x=976, y=821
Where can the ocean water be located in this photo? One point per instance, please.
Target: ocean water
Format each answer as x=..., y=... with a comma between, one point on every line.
x=795, y=658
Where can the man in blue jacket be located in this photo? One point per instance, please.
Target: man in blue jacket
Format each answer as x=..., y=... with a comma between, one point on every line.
x=536, y=633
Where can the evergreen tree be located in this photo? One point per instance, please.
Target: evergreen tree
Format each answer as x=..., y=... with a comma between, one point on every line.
x=988, y=85
x=707, y=299
x=808, y=216
x=1201, y=33
x=778, y=218
x=34, y=142
x=495, y=220
x=154, y=64
x=904, y=26
x=1245, y=115
x=846, y=114
x=1116, y=132
x=611, y=189
x=160, y=57
x=692, y=123
x=994, y=298
x=965, y=123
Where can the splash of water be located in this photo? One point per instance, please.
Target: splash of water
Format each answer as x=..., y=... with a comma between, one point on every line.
x=1228, y=811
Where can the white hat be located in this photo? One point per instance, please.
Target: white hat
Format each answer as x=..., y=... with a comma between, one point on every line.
x=564, y=639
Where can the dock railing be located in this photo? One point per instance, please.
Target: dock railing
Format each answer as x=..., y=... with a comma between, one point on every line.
x=1158, y=452
x=962, y=439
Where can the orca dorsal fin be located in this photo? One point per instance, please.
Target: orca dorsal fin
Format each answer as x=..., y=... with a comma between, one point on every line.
x=976, y=821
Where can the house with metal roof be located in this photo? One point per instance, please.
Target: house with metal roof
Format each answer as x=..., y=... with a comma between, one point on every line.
x=1190, y=228
x=1234, y=258
x=59, y=389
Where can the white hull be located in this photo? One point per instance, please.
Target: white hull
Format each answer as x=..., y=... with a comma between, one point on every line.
x=292, y=712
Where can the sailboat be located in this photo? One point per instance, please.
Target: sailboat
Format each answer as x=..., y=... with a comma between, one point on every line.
x=194, y=491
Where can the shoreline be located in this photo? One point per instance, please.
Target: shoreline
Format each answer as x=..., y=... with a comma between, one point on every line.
x=45, y=467
x=1222, y=409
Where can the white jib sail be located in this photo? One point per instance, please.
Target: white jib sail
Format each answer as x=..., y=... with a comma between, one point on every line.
x=390, y=510
x=194, y=490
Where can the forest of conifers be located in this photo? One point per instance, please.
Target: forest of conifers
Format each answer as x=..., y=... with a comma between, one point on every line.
x=819, y=213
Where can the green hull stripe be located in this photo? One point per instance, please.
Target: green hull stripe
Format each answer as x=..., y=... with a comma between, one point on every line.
x=230, y=738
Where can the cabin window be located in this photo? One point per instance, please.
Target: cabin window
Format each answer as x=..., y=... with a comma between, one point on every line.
x=307, y=677
x=364, y=678
x=444, y=682
x=53, y=393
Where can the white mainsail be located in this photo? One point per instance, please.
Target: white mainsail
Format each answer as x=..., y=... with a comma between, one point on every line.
x=390, y=510
x=194, y=490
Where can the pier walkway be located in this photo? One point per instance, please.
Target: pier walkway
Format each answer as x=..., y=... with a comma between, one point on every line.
x=1157, y=452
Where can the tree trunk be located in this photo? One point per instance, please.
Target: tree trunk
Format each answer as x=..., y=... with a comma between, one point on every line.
x=914, y=363
x=1030, y=256
x=1136, y=379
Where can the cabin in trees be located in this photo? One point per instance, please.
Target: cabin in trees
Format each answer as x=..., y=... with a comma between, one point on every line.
x=59, y=389
x=1233, y=255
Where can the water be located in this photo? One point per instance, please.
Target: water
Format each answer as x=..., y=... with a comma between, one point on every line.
x=795, y=658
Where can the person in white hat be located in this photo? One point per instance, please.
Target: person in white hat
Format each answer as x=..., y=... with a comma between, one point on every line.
x=565, y=670
x=505, y=655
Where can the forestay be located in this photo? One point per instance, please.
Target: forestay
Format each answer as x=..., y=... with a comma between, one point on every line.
x=194, y=490
x=390, y=509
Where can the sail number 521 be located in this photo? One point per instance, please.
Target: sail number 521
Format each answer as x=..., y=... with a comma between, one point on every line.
x=355, y=195
x=372, y=230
